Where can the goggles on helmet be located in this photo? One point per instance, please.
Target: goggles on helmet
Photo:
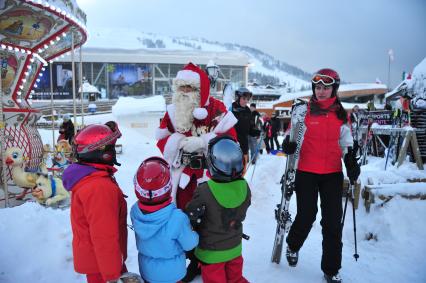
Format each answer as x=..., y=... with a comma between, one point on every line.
x=324, y=79
x=116, y=134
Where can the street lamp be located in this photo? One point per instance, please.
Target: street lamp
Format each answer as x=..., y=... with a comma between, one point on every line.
x=212, y=71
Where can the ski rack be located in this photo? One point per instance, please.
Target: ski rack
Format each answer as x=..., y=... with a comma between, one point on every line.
x=409, y=137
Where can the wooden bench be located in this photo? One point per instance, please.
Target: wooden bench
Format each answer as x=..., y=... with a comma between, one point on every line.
x=383, y=193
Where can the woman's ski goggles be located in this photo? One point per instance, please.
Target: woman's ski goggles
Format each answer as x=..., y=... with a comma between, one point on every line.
x=324, y=79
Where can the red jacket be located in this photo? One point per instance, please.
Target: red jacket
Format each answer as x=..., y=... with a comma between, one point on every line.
x=99, y=225
x=321, y=152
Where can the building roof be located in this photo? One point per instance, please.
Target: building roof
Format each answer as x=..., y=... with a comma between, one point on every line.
x=346, y=90
x=119, y=55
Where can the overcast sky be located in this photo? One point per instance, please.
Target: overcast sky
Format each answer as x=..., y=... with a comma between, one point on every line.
x=352, y=36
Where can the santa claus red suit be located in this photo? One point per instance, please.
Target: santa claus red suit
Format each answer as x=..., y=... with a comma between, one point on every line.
x=190, y=122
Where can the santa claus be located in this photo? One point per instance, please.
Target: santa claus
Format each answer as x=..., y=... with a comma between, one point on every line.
x=191, y=121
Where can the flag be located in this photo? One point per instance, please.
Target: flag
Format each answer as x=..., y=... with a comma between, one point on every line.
x=390, y=53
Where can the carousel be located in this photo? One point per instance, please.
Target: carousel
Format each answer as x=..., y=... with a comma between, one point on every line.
x=32, y=34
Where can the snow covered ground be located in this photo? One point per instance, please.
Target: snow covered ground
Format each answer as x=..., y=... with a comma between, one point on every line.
x=35, y=242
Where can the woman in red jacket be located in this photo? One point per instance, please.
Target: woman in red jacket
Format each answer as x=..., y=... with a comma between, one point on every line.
x=98, y=207
x=325, y=139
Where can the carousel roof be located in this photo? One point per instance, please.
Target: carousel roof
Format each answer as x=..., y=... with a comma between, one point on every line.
x=32, y=34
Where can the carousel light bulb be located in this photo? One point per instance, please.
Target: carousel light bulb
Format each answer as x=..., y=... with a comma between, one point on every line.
x=19, y=92
x=24, y=80
x=38, y=80
x=39, y=2
x=51, y=61
x=40, y=75
x=23, y=50
x=58, y=38
x=32, y=91
x=59, y=10
x=30, y=96
x=21, y=87
x=43, y=69
x=52, y=42
x=46, y=46
x=10, y=48
x=29, y=52
x=64, y=34
x=32, y=60
x=35, y=85
x=63, y=13
x=40, y=50
x=16, y=49
x=26, y=73
x=19, y=100
x=3, y=46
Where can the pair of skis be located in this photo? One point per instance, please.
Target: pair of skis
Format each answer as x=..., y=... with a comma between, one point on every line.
x=282, y=214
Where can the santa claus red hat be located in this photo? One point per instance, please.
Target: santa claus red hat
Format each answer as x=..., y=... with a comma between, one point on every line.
x=194, y=76
x=204, y=83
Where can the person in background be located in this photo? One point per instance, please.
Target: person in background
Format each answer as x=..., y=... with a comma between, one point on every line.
x=276, y=128
x=243, y=114
x=217, y=210
x=255, y=132
x=98, y=207
x=66, y=130
x=267, y=129
x=326, y=139
x=163, y=232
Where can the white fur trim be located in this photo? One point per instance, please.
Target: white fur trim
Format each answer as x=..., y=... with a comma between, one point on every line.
x=206, y=138
x=161, y=133
x=187, y=77
x=200, y=113
x=171, y=112
x=226, y=123
x=176, y=174
x=184, y=180
x=171, y=148
x=346, y=139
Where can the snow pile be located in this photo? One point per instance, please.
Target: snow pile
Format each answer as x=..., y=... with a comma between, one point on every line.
x=36, y=241
x=418, y=85
x=130, y=106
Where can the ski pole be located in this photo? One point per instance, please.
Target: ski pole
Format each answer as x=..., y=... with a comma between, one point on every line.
x=344, y=211
x=356, y=255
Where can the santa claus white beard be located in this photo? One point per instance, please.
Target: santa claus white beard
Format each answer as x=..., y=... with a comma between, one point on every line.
x=185, y=103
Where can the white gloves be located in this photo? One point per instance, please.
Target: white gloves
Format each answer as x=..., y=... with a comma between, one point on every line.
x=192, y=144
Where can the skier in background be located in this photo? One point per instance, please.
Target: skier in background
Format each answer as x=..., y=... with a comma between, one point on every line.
x=326, y=139
x=276, y=128
x=255, y=133
x=243, y=114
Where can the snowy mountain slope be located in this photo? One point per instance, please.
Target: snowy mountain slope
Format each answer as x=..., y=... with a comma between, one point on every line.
x=261, y=63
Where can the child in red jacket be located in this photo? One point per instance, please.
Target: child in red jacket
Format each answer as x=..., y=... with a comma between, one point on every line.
x=98, y=207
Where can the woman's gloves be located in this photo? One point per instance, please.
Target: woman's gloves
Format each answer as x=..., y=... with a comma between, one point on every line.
x=289, y=147
x=352, y=167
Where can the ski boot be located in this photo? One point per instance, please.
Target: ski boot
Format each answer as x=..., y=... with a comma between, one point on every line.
x=333, y=279
x=292, y=257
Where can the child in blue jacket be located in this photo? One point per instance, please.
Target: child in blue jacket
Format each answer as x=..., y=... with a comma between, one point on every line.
x=163, y=232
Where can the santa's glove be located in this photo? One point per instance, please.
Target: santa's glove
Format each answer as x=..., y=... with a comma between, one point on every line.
x=353, y=169
x=192, y=144
x=289, y=147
